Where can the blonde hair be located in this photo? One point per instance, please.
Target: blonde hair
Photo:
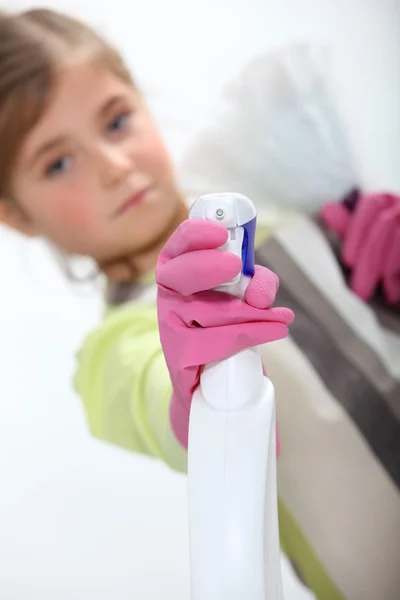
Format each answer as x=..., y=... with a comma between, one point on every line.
x=34, y=45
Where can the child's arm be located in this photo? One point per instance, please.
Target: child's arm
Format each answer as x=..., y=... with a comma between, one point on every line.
x=124, y=383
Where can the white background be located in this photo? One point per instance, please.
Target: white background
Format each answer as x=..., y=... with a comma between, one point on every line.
x=80, y=520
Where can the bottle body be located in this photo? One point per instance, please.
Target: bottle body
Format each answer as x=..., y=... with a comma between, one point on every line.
x=234, y=538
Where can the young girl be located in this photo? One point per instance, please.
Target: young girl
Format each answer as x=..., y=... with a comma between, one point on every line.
x=83, y=165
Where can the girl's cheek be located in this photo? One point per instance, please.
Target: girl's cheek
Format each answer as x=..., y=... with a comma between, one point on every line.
x=74, y=215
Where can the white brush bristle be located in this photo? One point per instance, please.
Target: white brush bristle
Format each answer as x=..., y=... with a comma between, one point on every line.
x=276, y=137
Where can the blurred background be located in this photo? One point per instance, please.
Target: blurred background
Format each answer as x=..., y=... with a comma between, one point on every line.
x=80, y=520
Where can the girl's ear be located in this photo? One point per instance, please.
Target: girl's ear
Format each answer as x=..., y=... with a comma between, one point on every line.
x=12, y=216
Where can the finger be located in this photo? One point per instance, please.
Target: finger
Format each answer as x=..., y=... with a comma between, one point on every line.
x=198, y=271
x=262, y=288
x=391, y=275
x=232, y=311
x=370, y=263
x=282, y=315
x=191, y=235
x=361, y=223
x=336, y=217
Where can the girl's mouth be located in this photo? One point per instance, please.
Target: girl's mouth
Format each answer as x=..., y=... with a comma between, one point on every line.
x=134, y=201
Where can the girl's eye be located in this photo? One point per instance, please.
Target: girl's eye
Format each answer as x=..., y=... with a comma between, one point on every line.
x=58, y=167
x=120, y=123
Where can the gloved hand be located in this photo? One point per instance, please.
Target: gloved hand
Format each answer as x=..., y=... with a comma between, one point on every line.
x=199, y=326
x=370, y=231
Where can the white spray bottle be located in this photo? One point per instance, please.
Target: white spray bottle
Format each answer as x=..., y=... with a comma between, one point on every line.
x=233, y=517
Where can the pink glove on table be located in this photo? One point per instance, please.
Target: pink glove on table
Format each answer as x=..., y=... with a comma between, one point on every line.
x=199, y=326
x=371, y=243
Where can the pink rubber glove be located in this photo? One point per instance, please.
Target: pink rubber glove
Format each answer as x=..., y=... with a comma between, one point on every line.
x=371, y=243
x=198, y=326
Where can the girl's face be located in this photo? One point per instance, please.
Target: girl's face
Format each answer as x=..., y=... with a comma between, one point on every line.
x=94, y=176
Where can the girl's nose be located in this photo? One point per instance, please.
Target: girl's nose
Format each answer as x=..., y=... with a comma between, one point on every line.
x=115, y=165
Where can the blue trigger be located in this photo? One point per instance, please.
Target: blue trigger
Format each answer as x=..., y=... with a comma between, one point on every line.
x=248, y=247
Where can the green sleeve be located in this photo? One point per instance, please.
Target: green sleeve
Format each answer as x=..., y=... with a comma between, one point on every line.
x=125, y=387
